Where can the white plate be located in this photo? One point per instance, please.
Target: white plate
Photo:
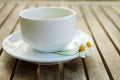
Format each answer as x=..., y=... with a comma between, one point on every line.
x=17, y=48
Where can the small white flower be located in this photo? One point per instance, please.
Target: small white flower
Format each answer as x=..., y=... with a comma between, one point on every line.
x=82, y=50
x=90, y=46
x=84, y=46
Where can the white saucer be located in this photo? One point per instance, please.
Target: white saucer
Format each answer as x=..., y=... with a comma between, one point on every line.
x=17, y=48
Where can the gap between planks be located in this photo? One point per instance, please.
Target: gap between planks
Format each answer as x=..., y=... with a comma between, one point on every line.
x=9, y=24
x=103, y=47
x=93, y=62
x=108, y=27
x=111, y=14
x=39, y=74
x=9, y=61
x=93, y=36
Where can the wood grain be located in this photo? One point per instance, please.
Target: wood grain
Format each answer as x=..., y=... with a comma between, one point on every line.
x=112, y=16
x=10, y=23
x=75, y=68
x=7, y=64
x=49, y=72
x=25, y=71
x=1, y=6
x=98, y=19
x=109, y=27
x=108, y=53
x=116, y=9
x=77, y=64
x=94, y=64
x=5, y=12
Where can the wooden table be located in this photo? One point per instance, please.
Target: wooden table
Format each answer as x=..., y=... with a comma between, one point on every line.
x=99, y=19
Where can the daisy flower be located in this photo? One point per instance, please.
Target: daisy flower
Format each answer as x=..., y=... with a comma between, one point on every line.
x=82, y=46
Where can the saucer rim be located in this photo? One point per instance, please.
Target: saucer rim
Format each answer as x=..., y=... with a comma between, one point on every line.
x=21, y=57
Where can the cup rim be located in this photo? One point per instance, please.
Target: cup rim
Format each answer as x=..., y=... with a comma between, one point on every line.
x=68, y=9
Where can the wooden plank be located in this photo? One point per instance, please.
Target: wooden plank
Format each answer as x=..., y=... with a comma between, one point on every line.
x=39, y=4
x=55, y=4
x=7, y=65
x=5, y=12
x=116, y=9
x=61, y=72
x=94, y=64
x=75, y=68
x=29, y=5
x=10, y=23
x=1, y=6
x=71, y=2
x=64, y=4
x=112, y=16
x=17, y=28
x=49, y=72
x=109, y=27
x=25, y=70
x=106, y=49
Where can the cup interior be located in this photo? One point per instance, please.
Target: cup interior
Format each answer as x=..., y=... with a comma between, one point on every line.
x=46, y=13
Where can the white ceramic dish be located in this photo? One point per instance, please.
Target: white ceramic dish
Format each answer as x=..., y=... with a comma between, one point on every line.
x=17, y=48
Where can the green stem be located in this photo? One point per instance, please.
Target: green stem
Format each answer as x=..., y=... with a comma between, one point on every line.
x=66, y=54
x=63, y=50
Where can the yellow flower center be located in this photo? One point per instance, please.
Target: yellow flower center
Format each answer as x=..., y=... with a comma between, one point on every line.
x=81, y=48
x=89, y=44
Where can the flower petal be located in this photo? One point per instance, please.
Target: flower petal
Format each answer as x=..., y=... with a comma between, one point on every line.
x=82, y=55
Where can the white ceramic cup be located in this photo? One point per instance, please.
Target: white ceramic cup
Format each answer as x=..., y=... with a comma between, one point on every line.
x=47, y=29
